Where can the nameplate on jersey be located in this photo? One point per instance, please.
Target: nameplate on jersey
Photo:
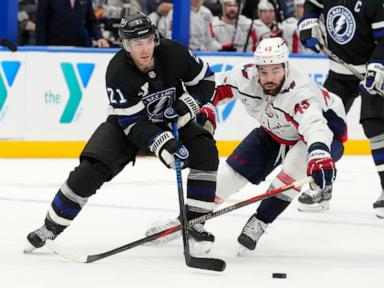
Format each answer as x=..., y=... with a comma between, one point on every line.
x=157, y=102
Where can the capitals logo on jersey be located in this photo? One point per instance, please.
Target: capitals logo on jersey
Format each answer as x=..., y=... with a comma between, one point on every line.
x=341, y=25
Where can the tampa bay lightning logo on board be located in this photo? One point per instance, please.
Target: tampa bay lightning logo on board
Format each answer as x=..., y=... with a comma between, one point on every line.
x=341, y=25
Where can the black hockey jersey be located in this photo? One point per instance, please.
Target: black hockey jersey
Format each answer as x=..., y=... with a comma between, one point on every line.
x=355, y=29
x=139, y=99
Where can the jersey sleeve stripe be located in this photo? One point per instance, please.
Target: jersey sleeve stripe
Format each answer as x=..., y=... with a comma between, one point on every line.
x=199, y=76
x=377, y=25
x=317, y=3
x=126, y=111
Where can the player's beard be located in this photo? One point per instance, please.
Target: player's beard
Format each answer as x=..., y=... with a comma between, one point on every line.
x=272, y=91
x=231, y=15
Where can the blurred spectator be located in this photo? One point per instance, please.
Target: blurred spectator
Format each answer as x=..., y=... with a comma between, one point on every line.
x=250, y=8
x=158, y=15
x=109, y=13
x=67, y=23
x=214, y=6
x=291, y=33
x=266, y=26
x=201, y=35
x=232, y=29
x=161, y=7
x=27, y=22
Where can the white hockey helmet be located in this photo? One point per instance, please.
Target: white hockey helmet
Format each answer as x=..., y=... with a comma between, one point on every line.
x=272, y=51
x=265, y=5
x=298, y=2
x=223, y=2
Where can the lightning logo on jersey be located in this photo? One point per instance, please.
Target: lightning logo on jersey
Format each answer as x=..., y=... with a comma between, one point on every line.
x=157, y=102
x=341, y=25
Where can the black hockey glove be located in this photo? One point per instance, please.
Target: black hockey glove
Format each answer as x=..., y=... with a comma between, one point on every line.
x=166, y=148
x=311, y=35
x=182, y=111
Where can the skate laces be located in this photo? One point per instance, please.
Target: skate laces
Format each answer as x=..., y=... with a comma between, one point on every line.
x=254, y=228
x=199, y=228
x=43, y=233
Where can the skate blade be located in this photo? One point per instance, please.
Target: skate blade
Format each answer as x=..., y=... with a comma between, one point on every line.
x=317, y=207
x=242, y=251
x=199, y=248
x=379, y=213
x=29, y=249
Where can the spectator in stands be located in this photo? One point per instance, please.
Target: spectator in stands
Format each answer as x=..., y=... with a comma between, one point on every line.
x=291, y=31
x=282, y=6
x=233, y=29
x=266, y=26
x=201, y=35
x=109, y=13
x=27, y=22
x=67, y=23
x=215, y=7
x=158, y=11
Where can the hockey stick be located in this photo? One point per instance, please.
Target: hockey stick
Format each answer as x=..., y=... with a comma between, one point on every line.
x=54, y=247
x=334, y=57
x=8, y=44
x=194, y=262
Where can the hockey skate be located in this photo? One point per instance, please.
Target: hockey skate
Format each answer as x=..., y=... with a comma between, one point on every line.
x=315, y=200
x=379, y=206
x=250, y=234
x=200, y=240
x=38, y=238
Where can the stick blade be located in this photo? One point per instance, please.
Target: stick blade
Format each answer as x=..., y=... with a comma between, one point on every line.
x=8, y=44
x=58, y=250
x=212, y=264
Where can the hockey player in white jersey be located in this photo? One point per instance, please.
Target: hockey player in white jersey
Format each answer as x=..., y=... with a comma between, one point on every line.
x=232, y=29
x=291, y=31
x=302, y=128
x=266, y=26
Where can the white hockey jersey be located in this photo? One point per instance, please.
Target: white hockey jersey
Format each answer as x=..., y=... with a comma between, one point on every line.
x=301, y=111
x=201, y=33
x=263, y=31
x=291, y=36
x=226, y=33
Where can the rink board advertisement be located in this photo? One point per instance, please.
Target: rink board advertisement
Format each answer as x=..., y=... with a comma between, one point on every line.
x=51, y=100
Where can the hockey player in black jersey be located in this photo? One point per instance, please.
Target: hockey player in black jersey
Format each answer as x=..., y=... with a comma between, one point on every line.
x=355, y=33
x=150, y=83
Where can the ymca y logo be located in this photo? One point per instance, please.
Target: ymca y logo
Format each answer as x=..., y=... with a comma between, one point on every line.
x=7, y=77
x=85, y=71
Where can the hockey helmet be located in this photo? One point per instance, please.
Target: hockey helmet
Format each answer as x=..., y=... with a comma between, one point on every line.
x=272, y=51
x=298, y=2
x=137, y=26
x=265, y=5
x=223, y=2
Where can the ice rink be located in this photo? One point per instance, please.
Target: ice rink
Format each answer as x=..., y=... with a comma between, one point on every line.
x=341, y=248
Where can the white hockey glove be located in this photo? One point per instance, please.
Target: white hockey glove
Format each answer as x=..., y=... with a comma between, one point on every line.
x=166, y=148
x=207, y=117
x=320, y=165
x=182, y=111
x=374, y=79
x=311, y=35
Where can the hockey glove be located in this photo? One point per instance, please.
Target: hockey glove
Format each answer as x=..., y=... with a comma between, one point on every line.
x=183, y=110
x=166, y=148
x=320, y=165
x=311, y=35
x=373, y=79
x=207, y=117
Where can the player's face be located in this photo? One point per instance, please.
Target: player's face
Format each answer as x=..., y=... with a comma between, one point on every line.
x=231, y=9
x=271, y=78
x=267, y=16
x=299, y=11
x=141, y=50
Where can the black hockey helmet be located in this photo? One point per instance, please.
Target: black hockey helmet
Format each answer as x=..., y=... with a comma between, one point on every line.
x=137, y=26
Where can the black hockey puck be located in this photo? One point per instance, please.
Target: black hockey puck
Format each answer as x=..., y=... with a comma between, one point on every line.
x=279, y=275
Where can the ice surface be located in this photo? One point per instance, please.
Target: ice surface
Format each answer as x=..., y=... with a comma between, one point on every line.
x=341, y=248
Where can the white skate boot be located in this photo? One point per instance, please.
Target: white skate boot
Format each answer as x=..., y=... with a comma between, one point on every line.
x=378, y=206
x=315, y=200
x=250, y=234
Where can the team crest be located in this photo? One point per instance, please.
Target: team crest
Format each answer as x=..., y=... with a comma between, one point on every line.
x=341, y=25
x=157, y=102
